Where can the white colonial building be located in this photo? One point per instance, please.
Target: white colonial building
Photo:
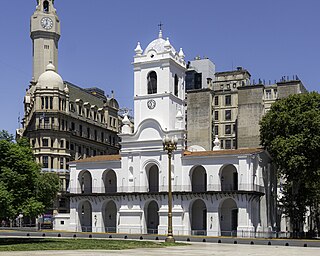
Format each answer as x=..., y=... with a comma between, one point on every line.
x=218, y=192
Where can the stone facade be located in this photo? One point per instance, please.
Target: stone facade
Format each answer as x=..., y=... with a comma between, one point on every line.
x=63, y=121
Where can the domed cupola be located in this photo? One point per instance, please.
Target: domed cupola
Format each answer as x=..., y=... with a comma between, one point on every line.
x=160, y=45
x=50, y=79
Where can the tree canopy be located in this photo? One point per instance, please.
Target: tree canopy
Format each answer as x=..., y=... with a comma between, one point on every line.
x=23, y=188
x=290, y=131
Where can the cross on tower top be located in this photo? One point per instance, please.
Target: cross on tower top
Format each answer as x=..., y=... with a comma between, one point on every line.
x=160, y=29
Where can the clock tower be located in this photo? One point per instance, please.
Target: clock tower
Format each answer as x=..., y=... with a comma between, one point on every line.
x=45, y=34
x=159, y=81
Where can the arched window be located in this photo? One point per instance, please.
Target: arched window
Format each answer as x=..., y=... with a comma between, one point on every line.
x=152, y=82
x=46, y=6
x=176, y=82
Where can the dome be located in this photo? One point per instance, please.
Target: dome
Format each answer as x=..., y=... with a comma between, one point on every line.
x=50, y=79
x=159, y=45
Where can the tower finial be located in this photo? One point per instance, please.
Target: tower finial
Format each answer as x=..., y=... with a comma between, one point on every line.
x=160, y=29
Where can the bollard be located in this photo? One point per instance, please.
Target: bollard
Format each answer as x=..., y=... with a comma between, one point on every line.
x=59, y=235
x=305, y=245
x=28, y=234
x=90, y=236
x=251, y=242
x=269, y=243
x=141, y=238
x=74, y=236
x=43, y=234
x=235, y=242
x=110, y=236
x=204, y=240
x=219, y=241
x=287, y=244
x=188, y=239
x=157, y=238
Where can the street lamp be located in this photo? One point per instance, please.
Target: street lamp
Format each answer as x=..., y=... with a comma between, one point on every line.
x=169, y=145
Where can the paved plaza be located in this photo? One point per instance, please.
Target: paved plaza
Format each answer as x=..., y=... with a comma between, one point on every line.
x=188, y=250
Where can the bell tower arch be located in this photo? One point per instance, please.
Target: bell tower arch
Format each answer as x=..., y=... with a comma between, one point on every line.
x=159, y=81
x=45, y=35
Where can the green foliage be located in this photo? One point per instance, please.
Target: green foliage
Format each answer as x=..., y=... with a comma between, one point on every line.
x=290, y=131
x=4, y=135
x=23, y=188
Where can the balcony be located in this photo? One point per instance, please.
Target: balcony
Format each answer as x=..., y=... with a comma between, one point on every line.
x=210, y=188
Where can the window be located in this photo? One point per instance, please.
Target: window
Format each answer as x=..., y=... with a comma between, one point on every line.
x=95, y=135
x=102, y=137
x=234, y=144
x=234, y=85
x=73, y=126
x=46, y=6
x=234, y=128
x=228, y=129
x=80, y=110
x=52, y=143
x=228, y=86
x=228, y=100
x=61, y=143
x=45, y=160
x=221, y=143
x=46, y=47
x=45, y=142
x=33, y=143
x=228, y=144
x=71, y=146
x=216, y=115
x=228, y=115
x=94, y=152
x=47, y=102
x=52, y=161
x=152, y=82
x=88, y=133
x=51, y=102
x=87, y=152
x=268, y=94
x=275, y=92
x=216, y=130
x=79, y=149
x=80, y=130
x=61, y=163
x=176, y=83
x=216, y=100
x=42, y=102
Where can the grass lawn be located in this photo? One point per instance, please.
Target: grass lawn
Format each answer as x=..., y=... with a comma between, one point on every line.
x=38, y=244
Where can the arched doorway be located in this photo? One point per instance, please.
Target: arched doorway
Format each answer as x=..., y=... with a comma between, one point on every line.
x=85, y=216
x=109, y=214
x=199, y=179
x=153, y=178
x=228, y=216
x=229, y=178
x=198, y=218
x=110, y=181
x=152, y=217
x=85, y=181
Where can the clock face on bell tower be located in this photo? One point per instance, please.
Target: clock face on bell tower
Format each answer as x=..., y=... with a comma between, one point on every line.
x=45, y=35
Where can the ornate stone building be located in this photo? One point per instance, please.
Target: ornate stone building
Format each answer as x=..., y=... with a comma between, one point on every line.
x=63, y=121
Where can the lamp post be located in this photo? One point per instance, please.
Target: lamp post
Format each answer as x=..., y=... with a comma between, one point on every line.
x=169, y=145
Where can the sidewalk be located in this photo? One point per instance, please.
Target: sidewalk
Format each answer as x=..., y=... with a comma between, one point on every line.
x=195, y=249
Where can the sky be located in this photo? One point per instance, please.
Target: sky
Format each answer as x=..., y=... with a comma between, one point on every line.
x=271, y=39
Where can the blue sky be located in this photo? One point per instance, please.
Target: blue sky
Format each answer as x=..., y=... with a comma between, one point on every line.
x=271, y=39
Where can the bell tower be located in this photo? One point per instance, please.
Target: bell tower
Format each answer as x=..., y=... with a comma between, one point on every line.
x=159, y=81
x=45, y=34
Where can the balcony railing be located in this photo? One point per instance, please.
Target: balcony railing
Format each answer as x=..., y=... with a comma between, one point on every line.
x=164, y=188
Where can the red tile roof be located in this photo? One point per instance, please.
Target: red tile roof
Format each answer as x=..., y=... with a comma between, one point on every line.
x=99, y=159
x=242, y=151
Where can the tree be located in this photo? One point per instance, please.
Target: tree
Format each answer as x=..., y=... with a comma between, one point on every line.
x=23, y=188
x=290, y=132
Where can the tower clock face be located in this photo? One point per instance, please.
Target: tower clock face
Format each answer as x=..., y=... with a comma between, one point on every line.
x=151, y=104
x=46, y=23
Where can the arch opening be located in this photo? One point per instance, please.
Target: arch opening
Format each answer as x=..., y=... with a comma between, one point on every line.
x=46, y=6
x=152, y=82
x=85, y=216
x=85, y=181
x=109, y=215
x=153, y=178
x=110, y=181
x=176, y=85
x=229, y=178
x=228, y=217
x=198, y=218
x=199, y=179
x=152, y=217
